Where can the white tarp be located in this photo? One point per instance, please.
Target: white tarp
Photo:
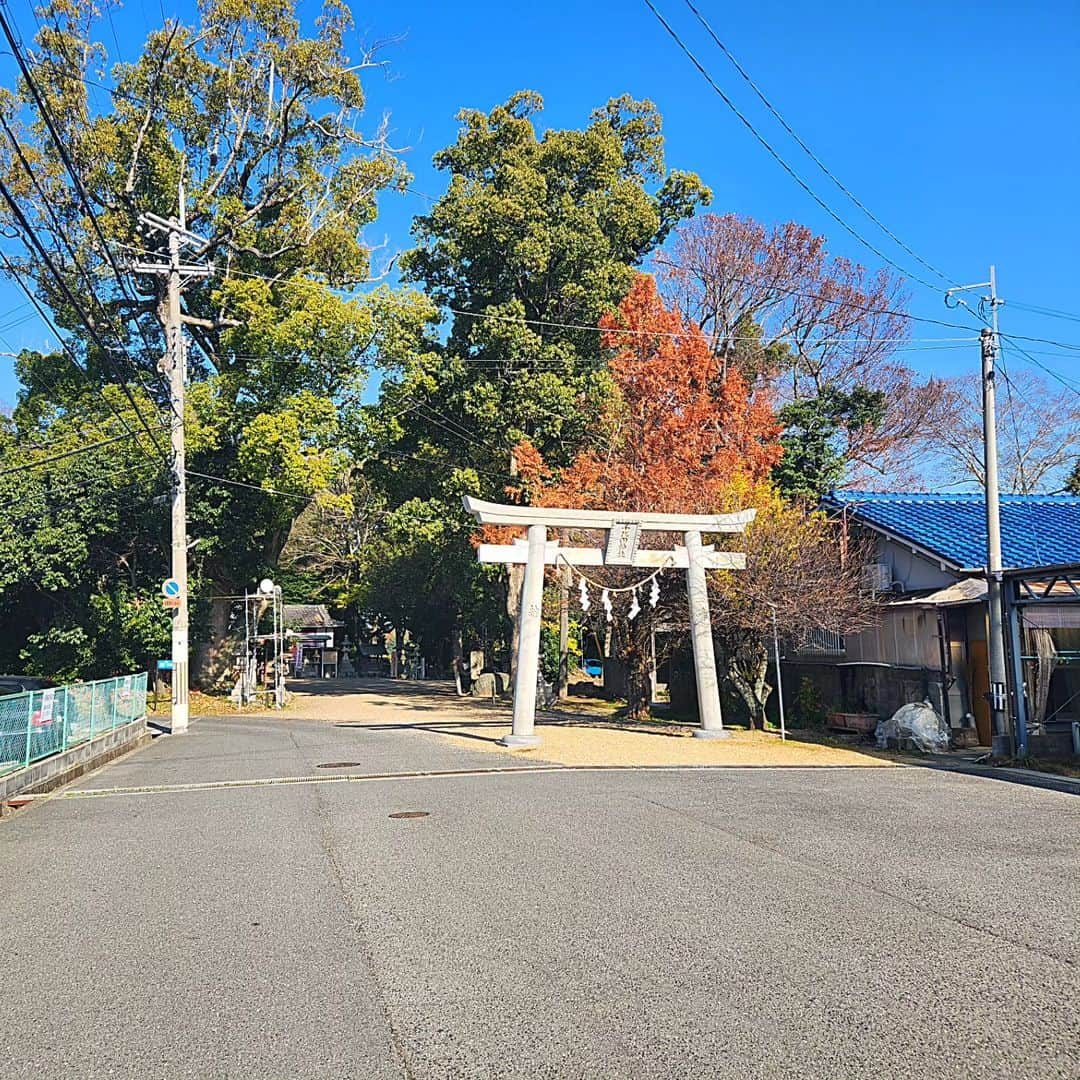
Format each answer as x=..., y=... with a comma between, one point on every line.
x=917, y=722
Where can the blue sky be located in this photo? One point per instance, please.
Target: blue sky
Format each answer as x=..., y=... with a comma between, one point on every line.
x=956, y=125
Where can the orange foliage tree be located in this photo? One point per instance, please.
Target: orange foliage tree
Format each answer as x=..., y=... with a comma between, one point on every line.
x=680, y=436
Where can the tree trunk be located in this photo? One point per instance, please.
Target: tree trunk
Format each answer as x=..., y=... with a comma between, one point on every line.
x=747, y=670
x=637, y=656
x=212, y=658
x=516, y=579
x=456, y=660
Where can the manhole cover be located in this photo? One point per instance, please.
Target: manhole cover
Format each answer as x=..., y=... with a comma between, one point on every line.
x=339, y=765
x=409, y=814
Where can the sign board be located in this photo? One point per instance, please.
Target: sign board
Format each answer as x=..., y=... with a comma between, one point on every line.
x=622, y=543
x=170, y=588
x=48, y=700
x=164, y=665
x=170, y=601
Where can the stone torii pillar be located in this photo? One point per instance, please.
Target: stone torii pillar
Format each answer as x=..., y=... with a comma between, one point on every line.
x=623, y=531
x=527, y=668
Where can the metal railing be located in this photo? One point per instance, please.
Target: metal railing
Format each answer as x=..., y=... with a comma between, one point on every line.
x=821, y=643
x=38, y=723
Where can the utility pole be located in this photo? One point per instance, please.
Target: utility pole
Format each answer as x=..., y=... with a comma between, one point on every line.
x=989, y=344
x=174, y=271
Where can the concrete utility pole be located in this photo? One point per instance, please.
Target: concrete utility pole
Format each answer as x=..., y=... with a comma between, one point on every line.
x=178, y=567
x=175, y=359
x=1002, y=744
x=989, y=344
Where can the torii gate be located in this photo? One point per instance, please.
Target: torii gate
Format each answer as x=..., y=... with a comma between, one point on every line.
x=623, y=531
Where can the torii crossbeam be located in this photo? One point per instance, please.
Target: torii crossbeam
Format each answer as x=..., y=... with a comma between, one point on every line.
x=621, y=549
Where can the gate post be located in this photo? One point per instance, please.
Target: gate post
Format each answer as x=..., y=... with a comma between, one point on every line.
x=29, y=726
x=708, y=688
x=528, y=655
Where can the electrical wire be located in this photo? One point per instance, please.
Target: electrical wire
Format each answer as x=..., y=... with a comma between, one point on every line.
x=66, y=454
x=810, y=153
x=1050, y=313
x=521, y=320
x=437, y=464
x=64, y=504
x=776, y=156
x=1055, y=375
x=44, y=316
x=29, y=235
x=61, y=148
x=252, y=487
x=66, y=158
x=556, y=325
x=58, y=230
x=470, y=437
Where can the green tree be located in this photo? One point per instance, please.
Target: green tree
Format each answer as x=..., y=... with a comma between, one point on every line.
x=1072, y=484
x=253, y=124
x=817, y=432
x=538, y=234
x=83, y=533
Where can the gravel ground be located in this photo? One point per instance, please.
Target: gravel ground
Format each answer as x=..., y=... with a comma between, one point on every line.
x=577, y=734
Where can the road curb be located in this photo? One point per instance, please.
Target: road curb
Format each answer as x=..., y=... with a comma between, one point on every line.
x=1026, y=777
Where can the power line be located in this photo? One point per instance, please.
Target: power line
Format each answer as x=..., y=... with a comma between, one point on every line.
x=776, y=156
x=76, y=179
x=18, y=278
x=96, y=496
x=435, y=464
x=252, y=487
x=66, y=454
x=61, y=146
x=810, y=153
x=470, y=437
x=840, y=303
x=684, y=333
x=62, y=235
x=29, y=234
x=1050, y=313
x=1057, y=376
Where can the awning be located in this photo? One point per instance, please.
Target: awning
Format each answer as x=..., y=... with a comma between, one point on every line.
x=966, y=591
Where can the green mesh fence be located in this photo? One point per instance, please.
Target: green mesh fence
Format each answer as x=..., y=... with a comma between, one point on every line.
x=43, y=722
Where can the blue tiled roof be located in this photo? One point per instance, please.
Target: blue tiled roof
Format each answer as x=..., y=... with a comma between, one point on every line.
x=1036, y=530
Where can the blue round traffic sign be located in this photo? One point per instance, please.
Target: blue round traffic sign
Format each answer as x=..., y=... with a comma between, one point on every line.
x=170, y=587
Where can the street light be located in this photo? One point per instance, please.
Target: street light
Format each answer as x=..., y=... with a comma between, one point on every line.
x=779, y=679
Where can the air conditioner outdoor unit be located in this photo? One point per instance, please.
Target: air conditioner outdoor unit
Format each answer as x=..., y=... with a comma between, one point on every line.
x=877, y=577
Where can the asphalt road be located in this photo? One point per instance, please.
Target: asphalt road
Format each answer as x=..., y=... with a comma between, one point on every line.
x=740, y=923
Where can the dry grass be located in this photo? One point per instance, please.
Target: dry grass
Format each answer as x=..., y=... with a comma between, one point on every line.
x=200, y=704
x=583, y=731
x=580, y=742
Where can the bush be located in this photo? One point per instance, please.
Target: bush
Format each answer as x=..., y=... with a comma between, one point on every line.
x=809, y=709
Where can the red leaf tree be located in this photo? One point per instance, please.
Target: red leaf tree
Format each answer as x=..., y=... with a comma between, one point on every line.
x=680, y=436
